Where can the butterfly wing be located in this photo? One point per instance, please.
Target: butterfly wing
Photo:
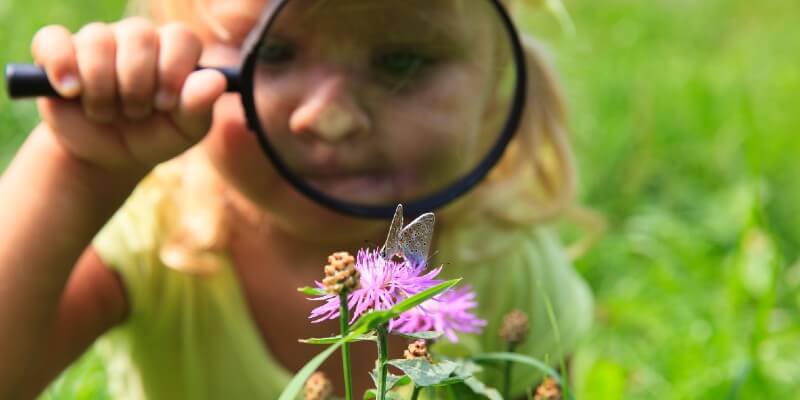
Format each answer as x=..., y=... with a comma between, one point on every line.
x=416, y=238
x=392, y=244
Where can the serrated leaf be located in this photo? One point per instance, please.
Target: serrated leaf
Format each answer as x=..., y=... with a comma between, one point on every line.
x=334, y=339
x=298, y=381
x=480, y=388
x=467, y=367
x=428, y=335
x=311, y=291
x=453, y=380
x=391, y=379
x=424, y=373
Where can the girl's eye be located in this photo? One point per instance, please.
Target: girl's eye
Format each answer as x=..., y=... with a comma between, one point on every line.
x=400, y=64
x=275, y=52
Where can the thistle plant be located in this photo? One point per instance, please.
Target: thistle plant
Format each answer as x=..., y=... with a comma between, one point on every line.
x=549, y=389
x=513, y=331
x=318, y=387
x=382, y=283
x=341, y=278
x=392, y=290
x=417, y=350
x=448, y=313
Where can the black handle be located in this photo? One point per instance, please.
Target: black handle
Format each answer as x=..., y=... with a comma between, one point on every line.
x=28, y=80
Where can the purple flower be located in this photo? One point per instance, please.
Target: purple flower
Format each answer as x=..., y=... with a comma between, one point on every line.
x=449, y=312
x=382, y=284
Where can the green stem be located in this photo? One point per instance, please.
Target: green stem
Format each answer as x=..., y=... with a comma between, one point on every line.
x=383, y=357
x=507, y=374
x=343, y=324
x=415, y=393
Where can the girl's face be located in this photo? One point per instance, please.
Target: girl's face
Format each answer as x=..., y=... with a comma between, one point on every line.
x=376, y=101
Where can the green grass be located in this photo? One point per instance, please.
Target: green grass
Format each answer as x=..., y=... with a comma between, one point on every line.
x=685, y=116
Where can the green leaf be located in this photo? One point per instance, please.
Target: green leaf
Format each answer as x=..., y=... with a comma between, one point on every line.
x=335, y=339
x=521, y=359
x=468, y=369
x=296, y=384
x=424, y=373
x=428, y=335
x=311, y=291
x=391, y=379
x=480, y=388
x=427, y=294
x=374, y=319
x=373, y=393
x=453, y=380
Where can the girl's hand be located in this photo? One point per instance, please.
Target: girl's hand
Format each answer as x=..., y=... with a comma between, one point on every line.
x=133, y=99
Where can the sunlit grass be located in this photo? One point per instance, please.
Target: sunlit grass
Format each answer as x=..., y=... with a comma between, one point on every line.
x=685, y=118
x=684, y=130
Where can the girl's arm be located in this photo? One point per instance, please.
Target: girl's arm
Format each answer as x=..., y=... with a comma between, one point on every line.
x=135, y=103
x=93, y=302
x=52, y=205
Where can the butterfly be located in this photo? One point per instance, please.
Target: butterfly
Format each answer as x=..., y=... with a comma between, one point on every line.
x=412, y=242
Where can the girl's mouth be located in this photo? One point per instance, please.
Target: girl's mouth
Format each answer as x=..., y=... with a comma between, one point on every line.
x=365, y=188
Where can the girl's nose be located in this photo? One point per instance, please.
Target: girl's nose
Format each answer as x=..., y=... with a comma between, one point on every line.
x=330, y=112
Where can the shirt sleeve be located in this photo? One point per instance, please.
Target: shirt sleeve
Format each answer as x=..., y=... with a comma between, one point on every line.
x=128, y=244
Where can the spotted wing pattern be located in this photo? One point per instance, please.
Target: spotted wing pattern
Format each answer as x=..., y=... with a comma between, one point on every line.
x=416, y=238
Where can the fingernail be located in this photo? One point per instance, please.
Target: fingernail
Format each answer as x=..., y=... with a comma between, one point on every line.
x=165, y=100
x=70, y=85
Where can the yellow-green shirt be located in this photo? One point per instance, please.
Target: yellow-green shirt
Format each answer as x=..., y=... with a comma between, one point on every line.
x=190, y=336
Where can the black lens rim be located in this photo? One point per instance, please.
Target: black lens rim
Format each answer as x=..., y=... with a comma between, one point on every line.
x=416, y=207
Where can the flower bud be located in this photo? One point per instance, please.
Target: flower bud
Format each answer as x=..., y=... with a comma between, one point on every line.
x=341, y=275
x=514, y=328
x=417, y=350
x=318, y=387
x=549, y=389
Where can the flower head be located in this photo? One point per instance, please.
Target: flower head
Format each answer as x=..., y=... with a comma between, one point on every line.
x=449, y=312
x=341, y=275
x=549, y=389
x=514, y=328
x=318, y=387
x=417, y=350
x=382, y=284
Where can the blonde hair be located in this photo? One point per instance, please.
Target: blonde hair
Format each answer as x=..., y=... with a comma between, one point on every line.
x=538, y=165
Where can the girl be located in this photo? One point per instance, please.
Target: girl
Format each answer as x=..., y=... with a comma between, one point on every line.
x=191, y=284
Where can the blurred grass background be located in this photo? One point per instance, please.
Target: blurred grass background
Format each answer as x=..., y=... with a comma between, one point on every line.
x=685, y=118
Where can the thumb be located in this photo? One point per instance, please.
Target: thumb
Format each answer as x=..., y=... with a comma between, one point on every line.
x=200, y=91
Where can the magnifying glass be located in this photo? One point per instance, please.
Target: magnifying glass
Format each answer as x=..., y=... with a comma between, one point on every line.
x=392, y=101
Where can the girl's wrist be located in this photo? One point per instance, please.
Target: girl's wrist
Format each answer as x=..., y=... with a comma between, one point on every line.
x=55, y=182
x=94, y=179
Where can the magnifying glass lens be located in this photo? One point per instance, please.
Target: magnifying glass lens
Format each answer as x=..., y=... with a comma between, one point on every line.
x=382, y=102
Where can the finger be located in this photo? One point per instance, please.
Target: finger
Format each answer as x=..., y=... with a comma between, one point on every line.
x=136, y=61
x=52, y=48
x=154, y=140
x=96, y=53
x=196, y=102
x=179, y=52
